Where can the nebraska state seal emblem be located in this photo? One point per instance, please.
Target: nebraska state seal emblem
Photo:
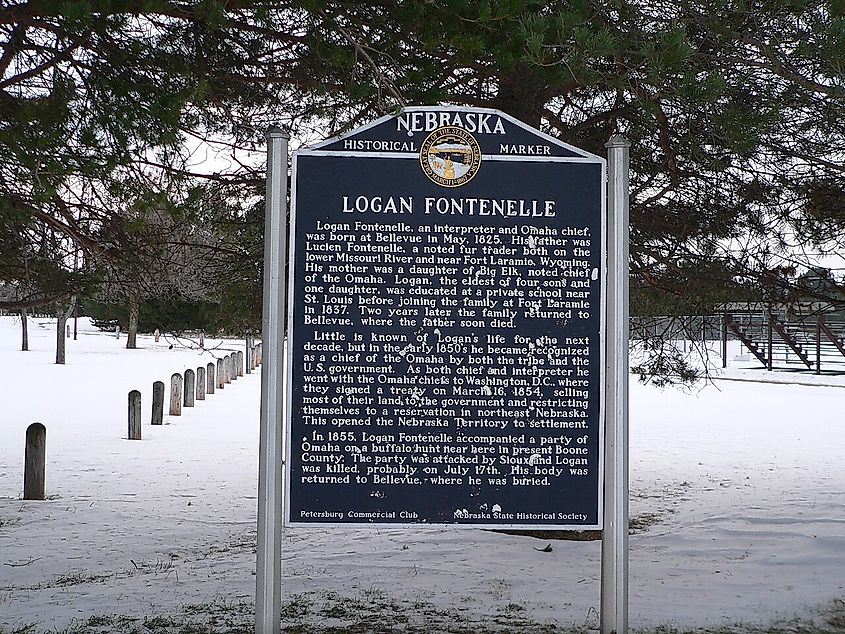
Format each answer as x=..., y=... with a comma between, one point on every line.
x=450, y=156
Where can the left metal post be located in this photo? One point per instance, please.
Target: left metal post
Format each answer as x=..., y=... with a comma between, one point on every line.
x=268, y=570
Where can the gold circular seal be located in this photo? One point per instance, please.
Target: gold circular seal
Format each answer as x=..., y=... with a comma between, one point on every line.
x=450, y=156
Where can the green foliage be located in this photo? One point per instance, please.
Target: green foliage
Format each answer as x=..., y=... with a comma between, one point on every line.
x=735, y=110
x=168, y=314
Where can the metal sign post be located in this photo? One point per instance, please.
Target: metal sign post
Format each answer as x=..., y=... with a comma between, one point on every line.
x=614, y=543
x=458, y=337
x=268, y=576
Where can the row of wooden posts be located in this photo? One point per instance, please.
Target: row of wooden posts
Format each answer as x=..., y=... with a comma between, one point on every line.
x=196, y=385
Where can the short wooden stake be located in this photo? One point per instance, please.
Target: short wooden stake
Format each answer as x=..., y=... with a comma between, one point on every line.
x=221, y=383
x=210, y=382
x=200, y=383
x=158, y=403
x=134, y=415
x=233, y=366
x=34, y=462
x=239, y=357
x=176, y=395
x=157, y=334
x=190, y=388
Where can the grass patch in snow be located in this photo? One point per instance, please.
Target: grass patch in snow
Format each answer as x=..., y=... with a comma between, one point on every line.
x=8, y=521
x=643, y=521
x=373, y=612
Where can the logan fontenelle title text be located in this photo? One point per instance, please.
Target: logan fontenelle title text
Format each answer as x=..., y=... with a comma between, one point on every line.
x=505, y=207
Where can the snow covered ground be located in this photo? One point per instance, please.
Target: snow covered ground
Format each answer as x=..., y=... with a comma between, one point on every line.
x=737, y=497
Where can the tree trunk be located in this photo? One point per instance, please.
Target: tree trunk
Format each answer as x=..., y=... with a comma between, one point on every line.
x=62, y=316
x=24, y=331
x=521, y=95
x=134, y=308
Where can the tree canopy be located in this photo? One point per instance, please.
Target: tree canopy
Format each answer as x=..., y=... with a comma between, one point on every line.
x=734, y=110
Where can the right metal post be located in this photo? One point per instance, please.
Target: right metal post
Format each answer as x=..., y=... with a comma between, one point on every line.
x=614, y=542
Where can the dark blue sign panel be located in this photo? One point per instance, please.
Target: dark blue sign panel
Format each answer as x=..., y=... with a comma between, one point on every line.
x=445, y=326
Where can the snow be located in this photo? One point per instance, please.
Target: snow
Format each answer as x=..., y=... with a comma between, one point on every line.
x=736, y=492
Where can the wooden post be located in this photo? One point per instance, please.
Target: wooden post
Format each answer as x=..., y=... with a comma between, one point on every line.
x=209, y=378
x=190, y=388
x=24, y=332
x=34, y=462
x=239, y=357
x=157, y=334
x=818, y=346
x=233, y=366
x=202, y=340
x=158, y=403
x=201, y=383
x=247, y=344
x=134, y=415
x=176, y=395
x=117, y=332
x=227, y=369
x=221, y=383
x=725, y=340
x=67, y=331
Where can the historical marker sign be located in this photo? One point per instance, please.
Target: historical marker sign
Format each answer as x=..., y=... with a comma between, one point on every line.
x=445, y=326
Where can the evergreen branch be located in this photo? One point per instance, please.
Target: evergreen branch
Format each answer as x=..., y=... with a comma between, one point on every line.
x=229, y=179
x=780, y=68
x=839, y=167
x=62, y=56
x=32, y=302
x=11, y=48
x=382, y=78
x=89, y=245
